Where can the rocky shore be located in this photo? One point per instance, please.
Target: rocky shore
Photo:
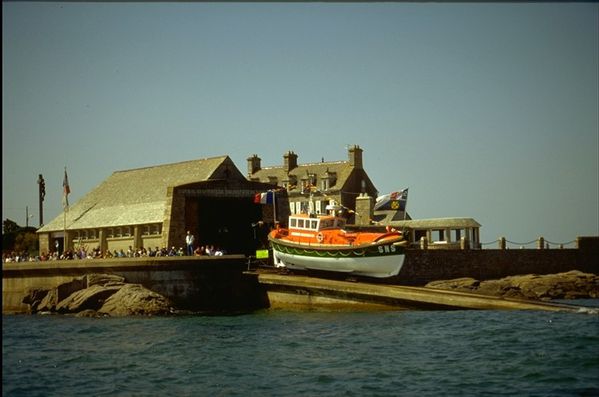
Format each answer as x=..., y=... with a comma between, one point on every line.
x=97, y=295
x=569, y=285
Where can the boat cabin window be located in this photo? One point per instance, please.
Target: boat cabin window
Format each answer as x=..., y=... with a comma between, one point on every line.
x=316, y=224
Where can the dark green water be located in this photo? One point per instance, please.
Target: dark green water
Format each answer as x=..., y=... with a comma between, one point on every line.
x=277, y=353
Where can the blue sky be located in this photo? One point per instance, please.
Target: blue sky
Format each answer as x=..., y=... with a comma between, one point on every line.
x=482, y=110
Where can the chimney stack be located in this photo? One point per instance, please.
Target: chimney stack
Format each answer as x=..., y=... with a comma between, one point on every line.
x=290, y=161
x=253, y=164
x=355, y=156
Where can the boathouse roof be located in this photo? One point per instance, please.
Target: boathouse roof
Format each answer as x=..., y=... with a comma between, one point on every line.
x=139, y=196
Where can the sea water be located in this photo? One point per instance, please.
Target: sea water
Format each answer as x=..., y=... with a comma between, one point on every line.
x=282, y=353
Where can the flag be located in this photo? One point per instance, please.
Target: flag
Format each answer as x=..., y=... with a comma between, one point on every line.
x=66, y=190
x=393, y=201
x=264, y=198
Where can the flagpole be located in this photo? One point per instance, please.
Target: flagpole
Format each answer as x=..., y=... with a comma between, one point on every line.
x=405, y=206
x=274, y=205
x=65, y=191
x=64, y=238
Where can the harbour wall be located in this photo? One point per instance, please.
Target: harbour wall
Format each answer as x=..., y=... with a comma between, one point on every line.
x=211, y=284
x=222, y=284
x=423, y=266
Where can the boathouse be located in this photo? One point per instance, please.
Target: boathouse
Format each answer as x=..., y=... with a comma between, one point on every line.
x=155, y=206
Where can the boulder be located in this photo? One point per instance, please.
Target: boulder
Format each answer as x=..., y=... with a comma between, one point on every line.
x=134, y=299
x=48, y=304
x=104, y=279
x=34, y=297
x=569, y=285
x=461, y=284
x=91, y=298
x=95, y=295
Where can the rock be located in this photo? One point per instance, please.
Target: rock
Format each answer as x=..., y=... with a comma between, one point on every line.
x=48, y=304
x=569, y=285
x=66, y=289
x=88, y=313
x=134, y=299
x=96, y=295
x=91, y=298
x=34, y=297
x=466, y=283
x=104, y=279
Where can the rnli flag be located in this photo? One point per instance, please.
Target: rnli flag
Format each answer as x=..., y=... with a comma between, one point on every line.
x=264, y=198
x=393, y=201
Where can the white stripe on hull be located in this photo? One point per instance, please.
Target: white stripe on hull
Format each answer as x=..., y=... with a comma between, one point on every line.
x=373, y=266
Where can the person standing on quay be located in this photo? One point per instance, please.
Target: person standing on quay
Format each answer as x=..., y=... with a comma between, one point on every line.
x=189, y=239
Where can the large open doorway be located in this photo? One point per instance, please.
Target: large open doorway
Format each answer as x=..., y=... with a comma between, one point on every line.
x=229, y=224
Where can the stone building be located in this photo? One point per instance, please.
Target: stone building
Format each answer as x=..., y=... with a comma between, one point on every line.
x=330, y=182
x=155, y=206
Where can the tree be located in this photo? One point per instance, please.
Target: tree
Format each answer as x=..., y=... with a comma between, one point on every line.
x=26, y=241
x=9, y=226
x=17, y=238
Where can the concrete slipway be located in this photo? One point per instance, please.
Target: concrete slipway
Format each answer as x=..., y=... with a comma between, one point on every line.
x=292, y=291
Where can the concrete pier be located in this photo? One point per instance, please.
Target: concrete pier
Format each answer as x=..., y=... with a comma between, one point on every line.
x=224, y=284
x=207, y=283
x=297, y=292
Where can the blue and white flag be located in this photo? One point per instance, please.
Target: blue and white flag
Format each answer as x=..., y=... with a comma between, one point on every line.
x=395, y=201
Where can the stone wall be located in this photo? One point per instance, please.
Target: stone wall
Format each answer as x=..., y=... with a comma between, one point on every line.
x=219, y=283
x=423, y=266
x=192, y=283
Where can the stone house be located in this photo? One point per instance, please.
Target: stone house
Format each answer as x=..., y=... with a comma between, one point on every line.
x=312, y=186
x=155, y=206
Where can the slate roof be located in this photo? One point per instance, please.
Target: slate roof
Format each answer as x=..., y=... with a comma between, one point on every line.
x=137, y=196
x=341, y=169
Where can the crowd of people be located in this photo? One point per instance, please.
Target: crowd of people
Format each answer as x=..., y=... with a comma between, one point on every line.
x=83, y=252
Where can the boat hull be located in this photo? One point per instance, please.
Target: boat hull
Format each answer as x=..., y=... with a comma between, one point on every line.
x=373, y=260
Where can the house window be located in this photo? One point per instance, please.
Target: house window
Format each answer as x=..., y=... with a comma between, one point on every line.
x=304, y=207
x=146, y=231
x=305, y=186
